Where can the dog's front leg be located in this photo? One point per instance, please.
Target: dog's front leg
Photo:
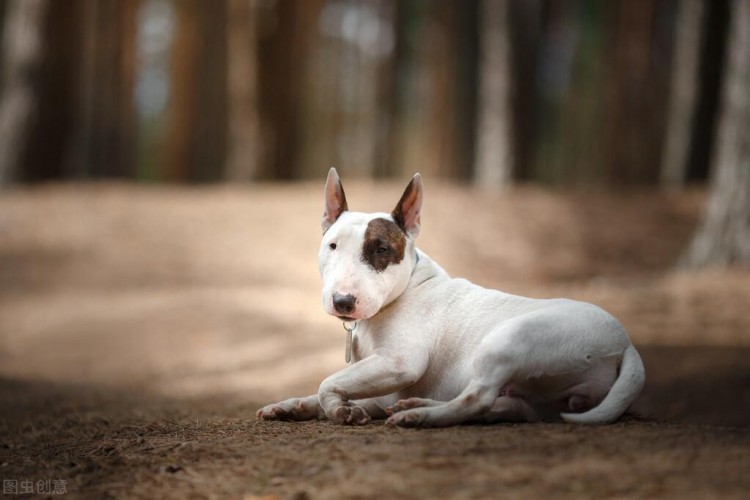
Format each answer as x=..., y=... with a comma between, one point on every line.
x=377, y=375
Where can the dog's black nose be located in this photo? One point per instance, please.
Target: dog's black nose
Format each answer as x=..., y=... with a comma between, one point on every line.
x=344, y=304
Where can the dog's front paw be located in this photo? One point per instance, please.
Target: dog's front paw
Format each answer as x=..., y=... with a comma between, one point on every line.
x=349, y=414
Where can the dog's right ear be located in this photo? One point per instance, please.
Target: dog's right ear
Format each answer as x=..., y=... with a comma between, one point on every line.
x=335, y=200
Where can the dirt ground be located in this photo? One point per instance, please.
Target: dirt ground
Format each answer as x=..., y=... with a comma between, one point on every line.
x=141, y=327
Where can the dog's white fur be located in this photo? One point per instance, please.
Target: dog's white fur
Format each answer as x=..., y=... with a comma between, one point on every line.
x=430, y=350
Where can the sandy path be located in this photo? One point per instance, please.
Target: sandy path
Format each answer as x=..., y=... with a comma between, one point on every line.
x=140, y=327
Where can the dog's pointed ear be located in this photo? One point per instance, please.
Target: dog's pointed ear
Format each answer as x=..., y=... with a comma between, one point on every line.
x=335, y=200
x=408, y=211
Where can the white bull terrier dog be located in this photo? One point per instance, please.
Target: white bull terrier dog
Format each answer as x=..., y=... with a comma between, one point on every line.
x=429, y=350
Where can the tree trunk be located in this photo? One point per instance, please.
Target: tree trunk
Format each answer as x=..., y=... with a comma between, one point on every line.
x=285, y=45
x=494, y=160
x=197, y=114
x=453, y=71
x=703, y=143
x=525, y=33
x=391, y=99
x=103, y=143
x=555, y=51
x=684, y=92
x=637, y=98
x=724, y=236
x=22, y=45
x=243, y=153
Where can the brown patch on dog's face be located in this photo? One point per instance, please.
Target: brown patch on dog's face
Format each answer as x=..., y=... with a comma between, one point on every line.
x=384, y=244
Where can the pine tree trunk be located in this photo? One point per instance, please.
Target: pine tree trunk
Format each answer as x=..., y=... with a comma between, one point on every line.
x=243, y=153
x=724, y=236
x=103, y=142
x=196, y=140
x=494, y=158
x=285, y=48
x=22, y=56
x=452, y=72
x=684, y=92
x=389, y=132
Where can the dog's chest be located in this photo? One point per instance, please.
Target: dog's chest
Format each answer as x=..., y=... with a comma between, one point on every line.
x=363, y=343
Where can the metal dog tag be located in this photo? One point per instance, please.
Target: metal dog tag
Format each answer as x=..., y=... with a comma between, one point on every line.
x=348, y=352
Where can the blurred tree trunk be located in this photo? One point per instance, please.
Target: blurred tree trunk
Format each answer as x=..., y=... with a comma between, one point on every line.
x=285, y=45
x=181, y=109
x=525, y=32
x=684, y=92
x=724, y=236
x=196, y=141
x=466, y=81
x=639, y=89
x=554, y=59
x=494, y=159
x=22, y=46
x=388, y=161
x=104, y=139
x=583, y=122
x=453, y=71
x=243, y=150
x=712, y=62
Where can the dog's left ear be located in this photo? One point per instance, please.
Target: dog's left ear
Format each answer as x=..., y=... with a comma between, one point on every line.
x=409, y=208
x=335, y=203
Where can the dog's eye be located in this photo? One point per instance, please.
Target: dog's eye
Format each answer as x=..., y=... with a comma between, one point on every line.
x=332, y=246
x=381, y=250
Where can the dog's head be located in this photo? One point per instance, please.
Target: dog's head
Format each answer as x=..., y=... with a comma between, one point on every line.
x=366, y=260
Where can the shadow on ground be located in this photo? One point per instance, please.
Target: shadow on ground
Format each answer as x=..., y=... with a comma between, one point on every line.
x=110, y=442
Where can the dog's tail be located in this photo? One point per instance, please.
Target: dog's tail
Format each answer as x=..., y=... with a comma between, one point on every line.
x=622, y=394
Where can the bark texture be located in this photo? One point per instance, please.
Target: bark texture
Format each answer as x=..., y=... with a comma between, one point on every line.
x=724, y=236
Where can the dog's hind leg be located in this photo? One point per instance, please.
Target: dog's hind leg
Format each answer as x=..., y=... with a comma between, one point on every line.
x=411, y=403
x=293, y=409
x=469, y=406
x=511, y=409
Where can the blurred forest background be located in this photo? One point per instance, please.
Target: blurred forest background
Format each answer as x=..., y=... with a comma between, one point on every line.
x=564, y=92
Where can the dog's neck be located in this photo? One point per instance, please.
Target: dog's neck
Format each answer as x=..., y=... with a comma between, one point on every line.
x=415, y=279
x=416, y=261
x=423, y=270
